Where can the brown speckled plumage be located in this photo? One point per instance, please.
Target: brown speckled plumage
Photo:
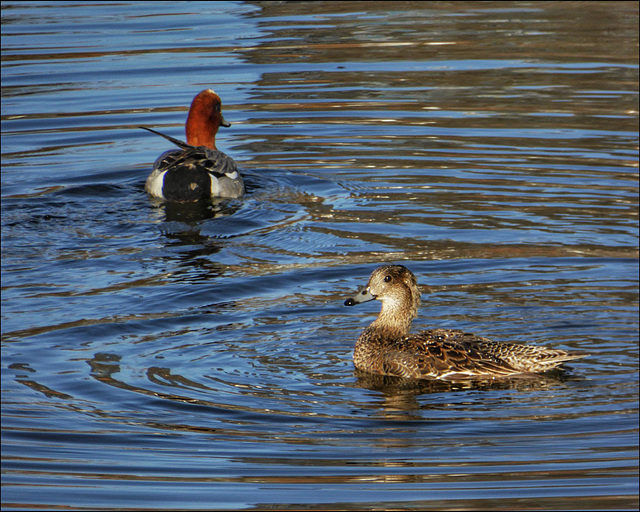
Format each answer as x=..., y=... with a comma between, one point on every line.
x=387, y=348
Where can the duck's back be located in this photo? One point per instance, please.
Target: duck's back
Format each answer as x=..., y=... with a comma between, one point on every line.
x=452, y=354
x=195, y=173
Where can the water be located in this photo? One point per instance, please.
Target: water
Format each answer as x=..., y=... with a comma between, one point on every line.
x=189, y=357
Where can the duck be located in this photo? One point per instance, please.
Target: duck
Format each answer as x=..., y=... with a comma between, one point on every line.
x=197, y=170
x=386, y=346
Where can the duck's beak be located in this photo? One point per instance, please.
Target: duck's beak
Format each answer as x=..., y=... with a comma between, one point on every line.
x=363, y=295
x=224, y=122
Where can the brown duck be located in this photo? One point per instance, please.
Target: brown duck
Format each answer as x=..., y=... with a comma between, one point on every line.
x=387, y=348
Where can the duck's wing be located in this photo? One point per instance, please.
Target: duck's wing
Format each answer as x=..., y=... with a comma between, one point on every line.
x=452, y=354
x=528, y=358
x=191, y=157
x=443, y=354
x=194, y=159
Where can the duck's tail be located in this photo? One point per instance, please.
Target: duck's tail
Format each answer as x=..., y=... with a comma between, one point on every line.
x=177, y=142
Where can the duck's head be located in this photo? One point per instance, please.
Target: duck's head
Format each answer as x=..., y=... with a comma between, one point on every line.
x=205, y=117
x=393, y=285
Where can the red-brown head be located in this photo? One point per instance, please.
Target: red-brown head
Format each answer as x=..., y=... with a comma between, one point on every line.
x=205, y=117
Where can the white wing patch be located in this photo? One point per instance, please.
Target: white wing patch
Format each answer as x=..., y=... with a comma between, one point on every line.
x=154, y=183
x=215, y=186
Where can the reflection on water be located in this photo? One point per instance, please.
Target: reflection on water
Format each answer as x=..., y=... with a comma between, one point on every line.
x=491, y=147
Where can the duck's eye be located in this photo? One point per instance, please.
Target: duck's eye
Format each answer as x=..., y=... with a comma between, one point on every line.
x=387, y=279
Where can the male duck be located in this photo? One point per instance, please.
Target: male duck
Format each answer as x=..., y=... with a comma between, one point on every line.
x=197, y=170
x=387, y=348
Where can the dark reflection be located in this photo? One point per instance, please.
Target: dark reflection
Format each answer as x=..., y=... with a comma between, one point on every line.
x=104, y=365
x=363, y=24
x=197, y=211
x=163, y=376
x=182, y=229
x=195, y=246
x=45, y=390
x=400, y=393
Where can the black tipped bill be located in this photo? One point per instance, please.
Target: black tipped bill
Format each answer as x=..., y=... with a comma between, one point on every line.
x=363, y=295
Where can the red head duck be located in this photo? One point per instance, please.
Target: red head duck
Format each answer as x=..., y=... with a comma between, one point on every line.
x=197, y=170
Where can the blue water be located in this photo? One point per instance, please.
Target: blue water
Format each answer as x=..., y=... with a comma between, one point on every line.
x=181, y=357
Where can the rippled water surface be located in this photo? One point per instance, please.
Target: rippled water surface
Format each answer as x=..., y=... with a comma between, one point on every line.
x=158, y=357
